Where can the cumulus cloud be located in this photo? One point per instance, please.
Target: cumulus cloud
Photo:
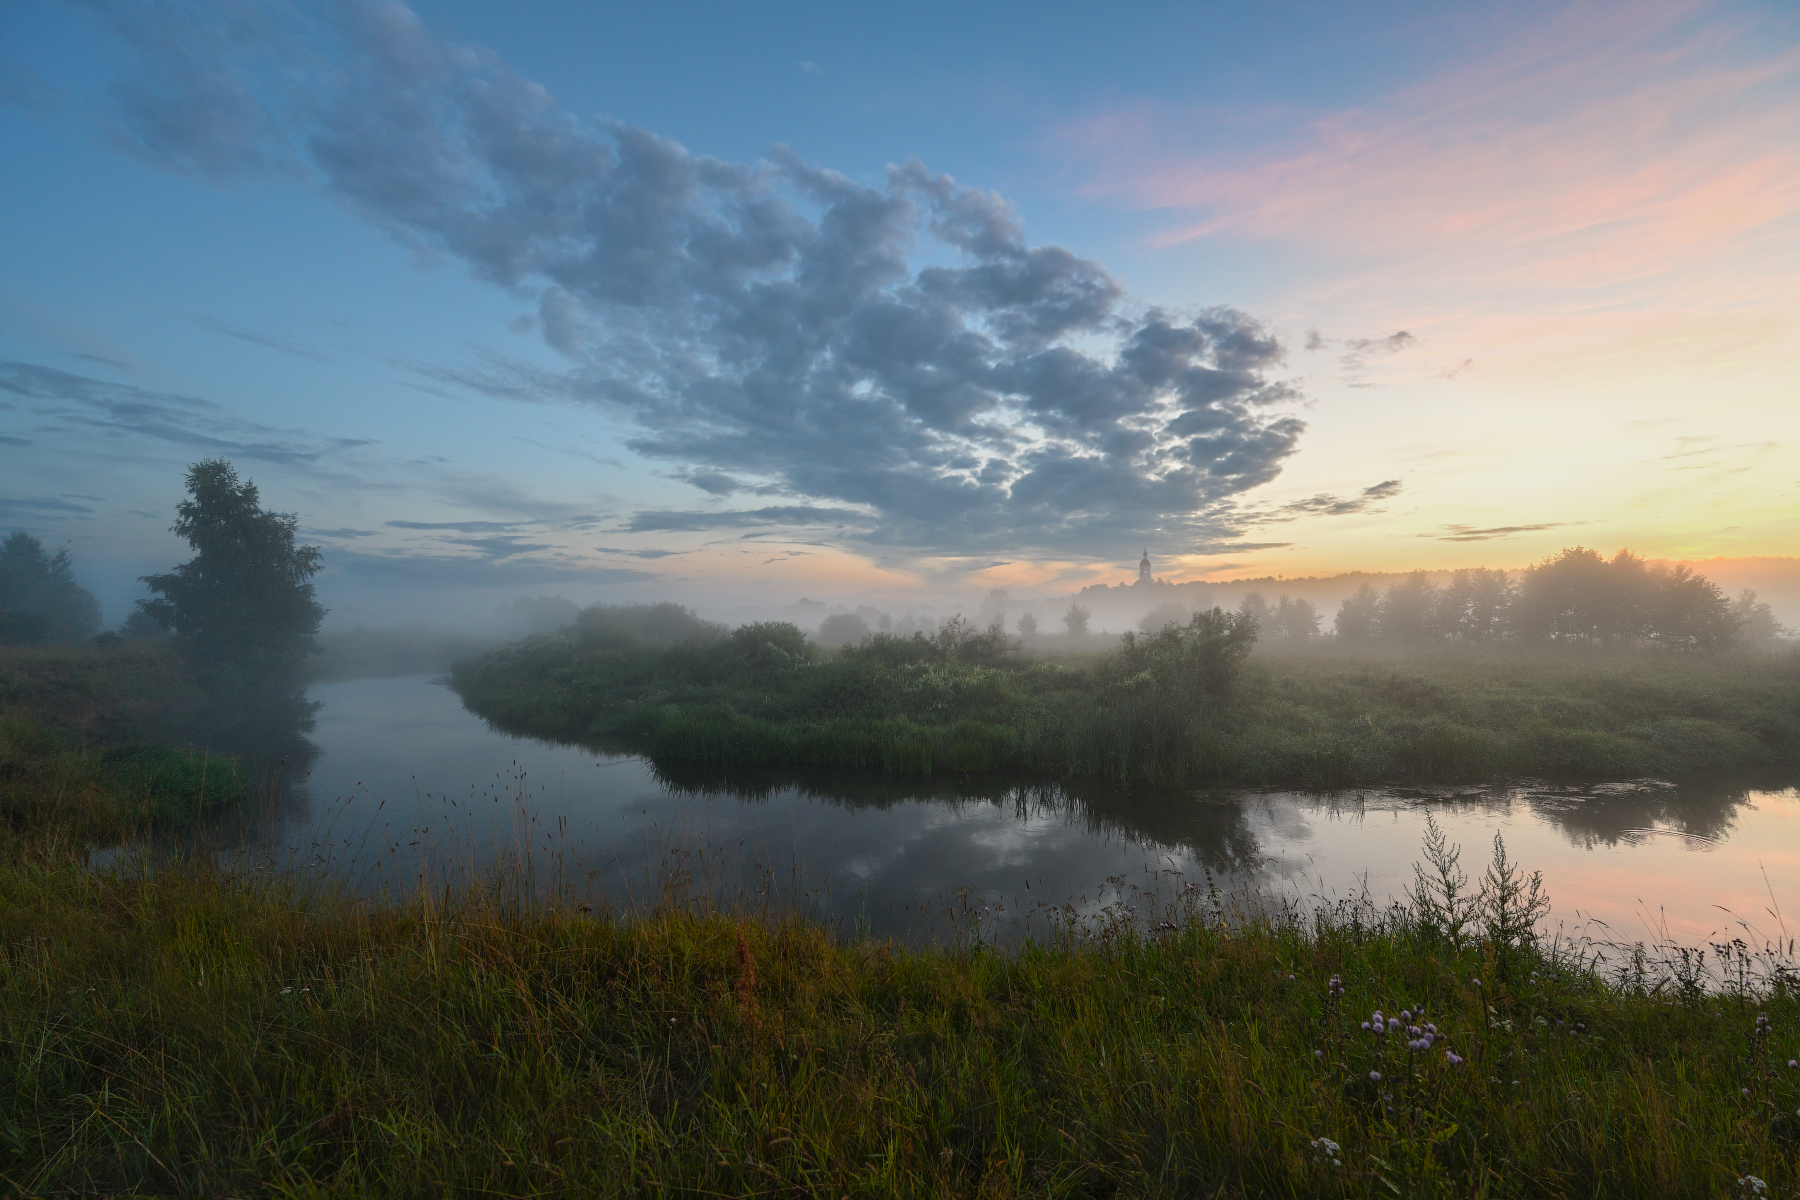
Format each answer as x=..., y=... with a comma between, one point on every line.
x=897, y=353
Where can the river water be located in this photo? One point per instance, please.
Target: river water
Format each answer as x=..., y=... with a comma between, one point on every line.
x=407, y=784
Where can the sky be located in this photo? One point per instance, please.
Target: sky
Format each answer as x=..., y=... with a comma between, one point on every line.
x=744, y=303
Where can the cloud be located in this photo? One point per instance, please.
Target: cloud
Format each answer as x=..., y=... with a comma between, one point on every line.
x=87, y=408
x=1463, y=533
x=338, y=533
x=266, y=340
x=24, y=89
x=444, y=571
x=458, y=526
x=1587, y=146
x=689, y=522
x=15, y=506
x=1327, y=505
x=898, y=349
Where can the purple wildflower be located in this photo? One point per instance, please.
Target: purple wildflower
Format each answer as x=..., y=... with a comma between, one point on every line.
x=1375, y=1076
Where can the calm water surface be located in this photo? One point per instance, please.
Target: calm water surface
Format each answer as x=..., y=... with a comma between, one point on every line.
x=406, y=780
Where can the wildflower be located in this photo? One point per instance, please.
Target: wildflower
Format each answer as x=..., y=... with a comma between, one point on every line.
x=1406, y=1014
x=1290, y=977
x=1793, y=1062
x=1393, y=1025
x=1431, y=1029
x=1750, y=1185
x=1453, y=1058
x=1746, y=1091
x=1318, y=1054
x=286, y=990
x=1375, y=1076
x=1326, y=1150
x=1476, y=982
x=1365, y=1026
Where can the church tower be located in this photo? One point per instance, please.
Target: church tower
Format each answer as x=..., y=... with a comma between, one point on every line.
x=1144, y=579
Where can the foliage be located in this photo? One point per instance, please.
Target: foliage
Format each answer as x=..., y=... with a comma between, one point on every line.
x=39, y=598
x=187, y=1032
x=842, y=629
x=1076, y=618
x=242, y=605
x=1574, y=598
x=1183, y=706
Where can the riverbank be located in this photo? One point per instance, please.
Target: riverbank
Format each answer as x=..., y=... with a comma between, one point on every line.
x=1317, y=719
x=186, y=1031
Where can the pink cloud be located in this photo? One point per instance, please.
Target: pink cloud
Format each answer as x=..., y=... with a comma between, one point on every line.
x=1613, y=144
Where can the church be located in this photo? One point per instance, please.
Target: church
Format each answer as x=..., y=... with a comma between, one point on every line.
x=1143, y=579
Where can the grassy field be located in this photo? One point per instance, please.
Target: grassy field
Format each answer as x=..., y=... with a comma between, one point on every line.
x=183, y=1030
x=1318, y=718
x=189, y=1032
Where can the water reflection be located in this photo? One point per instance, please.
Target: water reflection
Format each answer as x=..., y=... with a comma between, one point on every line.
x=400, y=783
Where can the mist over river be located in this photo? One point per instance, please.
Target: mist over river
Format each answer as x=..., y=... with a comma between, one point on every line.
x=406, y=782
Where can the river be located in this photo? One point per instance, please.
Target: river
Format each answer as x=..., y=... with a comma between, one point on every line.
x=407, y=784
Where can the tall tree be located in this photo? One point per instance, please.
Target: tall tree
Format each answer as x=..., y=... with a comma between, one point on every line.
x=39, y=598
x=1359, y=617
x=242, y=605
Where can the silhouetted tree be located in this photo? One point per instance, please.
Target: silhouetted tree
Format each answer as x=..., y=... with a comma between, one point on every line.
x=1408, y=610
x=1028, y=625
x=242, y=606
x=843, y=629
x=1359, y=617
x=1295, y=620
x=1256, y=608
x=1689, y=611
x=1476, y=606
x=1757, y=628
x=1076, y=619
x=39, y=598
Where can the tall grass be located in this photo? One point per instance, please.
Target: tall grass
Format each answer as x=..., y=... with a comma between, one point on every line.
x=188, y=1031
x=1147, y=713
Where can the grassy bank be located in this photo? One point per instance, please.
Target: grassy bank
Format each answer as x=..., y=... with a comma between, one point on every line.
x=188, y=1032
x=91, y=742
x=966, y=702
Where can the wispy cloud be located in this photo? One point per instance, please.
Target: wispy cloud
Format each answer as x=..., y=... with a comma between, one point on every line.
x=1601, y=144
x=1464, y=533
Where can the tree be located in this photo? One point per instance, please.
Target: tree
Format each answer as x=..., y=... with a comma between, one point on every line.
x=1028, y=625
x=1296, y=620
x=242, y=605
x=1359, y=619
x=1256, y=609
x=39, y=598
x=1757, y=627
x=1409, y=609
x=1477, y=605
x=843, y=629
x=1690, y=612
x=1076, y=619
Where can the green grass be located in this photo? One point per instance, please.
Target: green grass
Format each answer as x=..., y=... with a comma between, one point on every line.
x=190, y=1032
x=184, y=1030
x=1319, y=719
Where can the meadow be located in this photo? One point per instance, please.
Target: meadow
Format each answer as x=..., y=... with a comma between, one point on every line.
x=1150, y=710
x=178, y=1028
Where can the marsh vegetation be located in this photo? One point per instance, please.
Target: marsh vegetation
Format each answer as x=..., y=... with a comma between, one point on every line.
x=1187, y=703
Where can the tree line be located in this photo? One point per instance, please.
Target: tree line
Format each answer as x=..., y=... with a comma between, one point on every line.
x=242, y=609
x=1577, y=597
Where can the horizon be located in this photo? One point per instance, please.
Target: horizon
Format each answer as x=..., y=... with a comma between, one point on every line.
x=626, y=305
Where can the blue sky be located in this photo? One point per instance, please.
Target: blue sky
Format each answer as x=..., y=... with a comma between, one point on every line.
x=863, y=302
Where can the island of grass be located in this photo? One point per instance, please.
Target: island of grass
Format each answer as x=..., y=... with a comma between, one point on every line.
x=1190, y=704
